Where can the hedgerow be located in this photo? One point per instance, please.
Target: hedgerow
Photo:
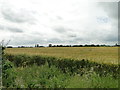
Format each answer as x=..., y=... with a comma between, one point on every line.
x=23, y=71
x=66, y=65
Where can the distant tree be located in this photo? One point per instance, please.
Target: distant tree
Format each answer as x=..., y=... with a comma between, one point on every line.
x=97, y=45
x=54, y=46
x=9, y=47
x=80, y=45
x=116, y=44
x=92, y=45
x=103, y=45
x=37, y=45
x=61, y=45
x=50, y=45
x=22, y=46
x=86, y=45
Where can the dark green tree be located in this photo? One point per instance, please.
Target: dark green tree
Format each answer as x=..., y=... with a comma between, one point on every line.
x=50, y=45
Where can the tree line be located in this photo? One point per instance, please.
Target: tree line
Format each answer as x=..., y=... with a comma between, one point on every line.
x=50, y=45
x=86, y=45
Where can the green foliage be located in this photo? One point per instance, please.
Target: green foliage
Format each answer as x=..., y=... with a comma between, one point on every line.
x=22, y=71
x=40, y=77
x=92, y=80
x=66, y=65
x=51, y=77
x=8, y=74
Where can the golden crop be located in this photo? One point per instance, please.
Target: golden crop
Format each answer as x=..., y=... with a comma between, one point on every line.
x=107, y=55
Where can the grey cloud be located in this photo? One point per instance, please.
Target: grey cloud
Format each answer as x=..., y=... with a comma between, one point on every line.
x=11, y=29
x=60, y=29
x=72, y=35
x=119, y=9
x=59, y=17
x=62, y=41
x=27, y=40
x=99, y=35
x=79, y=39
x=109, y=38
x=54, y=40
x=111, y=8
x=112, y=39
x=63, y=34
x=19, y=16
x=1, y=27
x=14, y=29
x=119, y=22
x=66, y=32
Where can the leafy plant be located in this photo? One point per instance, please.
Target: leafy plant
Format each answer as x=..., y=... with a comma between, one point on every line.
x=8, y=74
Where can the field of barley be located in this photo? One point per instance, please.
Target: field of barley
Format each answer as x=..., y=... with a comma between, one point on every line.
x=106, y=55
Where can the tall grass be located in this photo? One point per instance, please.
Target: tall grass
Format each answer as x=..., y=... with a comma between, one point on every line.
x=23, y=71
x=92, y=81
x=52, y=77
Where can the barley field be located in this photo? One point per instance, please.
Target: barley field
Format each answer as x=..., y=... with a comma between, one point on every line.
x=106, y=55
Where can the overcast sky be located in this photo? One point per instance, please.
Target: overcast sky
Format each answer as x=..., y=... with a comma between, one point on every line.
x=28, y=22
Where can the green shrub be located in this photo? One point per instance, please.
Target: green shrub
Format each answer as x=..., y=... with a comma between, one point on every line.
x=66, y=65
x=49, y=72
x=8, y=74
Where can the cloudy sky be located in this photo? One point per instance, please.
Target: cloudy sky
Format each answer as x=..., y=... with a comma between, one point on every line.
x=28, y=22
